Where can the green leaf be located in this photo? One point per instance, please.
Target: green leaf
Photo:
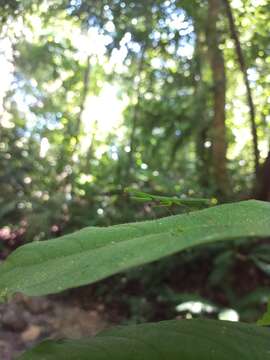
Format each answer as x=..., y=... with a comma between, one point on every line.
x=261, y=252
x=7, y=208
x=259, y=296
x=93, y=253
x=265, y=267
x=265, y=321
x=167, y=340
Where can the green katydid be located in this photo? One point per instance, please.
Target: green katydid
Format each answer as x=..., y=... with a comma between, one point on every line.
x=170, y=200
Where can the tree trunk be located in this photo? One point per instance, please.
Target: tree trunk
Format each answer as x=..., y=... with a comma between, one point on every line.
x=200, y=112
x=263, y=184
x=219, y=144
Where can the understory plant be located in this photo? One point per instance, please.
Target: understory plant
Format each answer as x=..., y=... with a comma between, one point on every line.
x=93, y=253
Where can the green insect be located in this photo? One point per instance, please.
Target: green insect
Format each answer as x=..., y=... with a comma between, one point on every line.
x=193, y=203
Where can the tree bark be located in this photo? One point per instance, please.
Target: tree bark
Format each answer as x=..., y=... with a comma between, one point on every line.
x=263, y=184
x=242, y=64
x=219, y=143
x=200, y=112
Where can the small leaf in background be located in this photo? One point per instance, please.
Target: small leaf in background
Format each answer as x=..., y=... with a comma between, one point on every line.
x=222, y=265
x=261, y=257
x=5, y=209
x=262, y=252
x=265, y=267
x=265, y=320
x=258, y=296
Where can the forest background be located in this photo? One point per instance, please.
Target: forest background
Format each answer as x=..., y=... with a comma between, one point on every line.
x=170, y=97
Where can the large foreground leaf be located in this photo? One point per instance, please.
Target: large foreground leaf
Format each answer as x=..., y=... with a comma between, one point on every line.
x=94, y=253
x=168, y=340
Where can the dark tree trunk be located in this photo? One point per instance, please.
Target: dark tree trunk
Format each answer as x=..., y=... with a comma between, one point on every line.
x=200, y=112
x=219, y=144
x=202, y=158
x=263, y=183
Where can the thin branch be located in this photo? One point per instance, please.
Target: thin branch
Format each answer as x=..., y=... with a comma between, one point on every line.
x=242, y=64
x=86, y=84
x=135, y=114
